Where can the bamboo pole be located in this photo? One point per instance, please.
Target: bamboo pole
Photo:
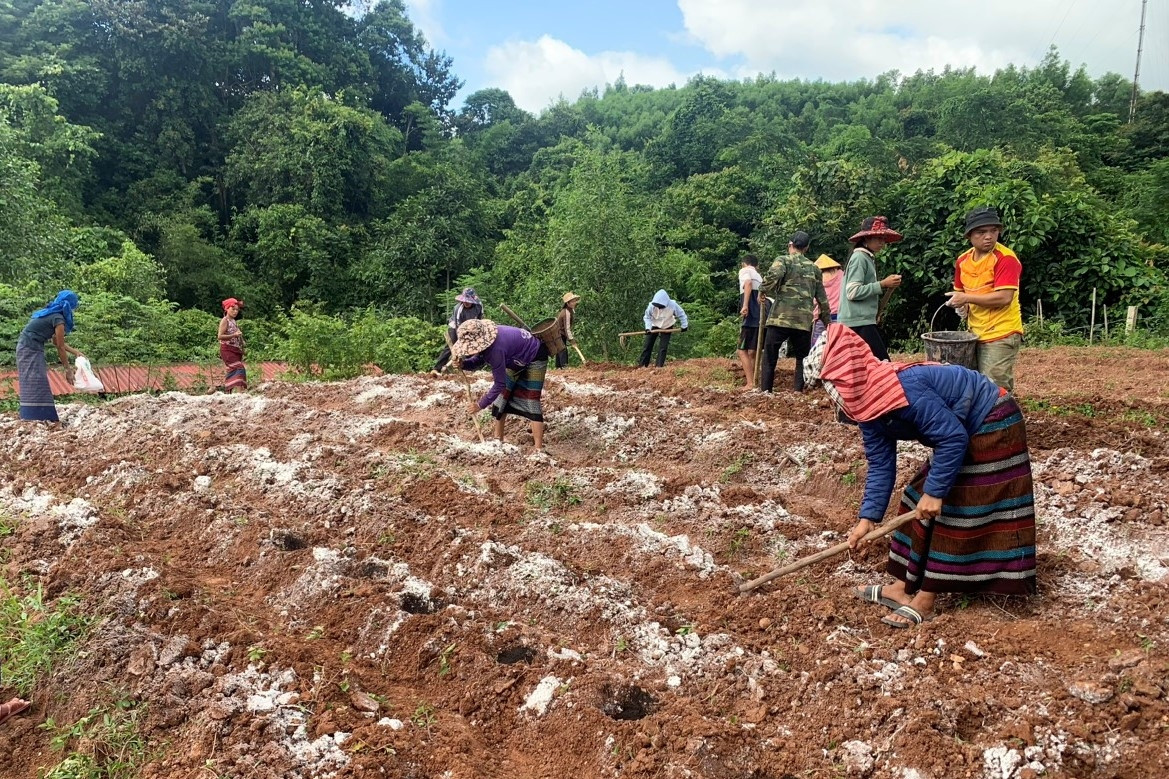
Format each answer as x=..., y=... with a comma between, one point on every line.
x=759, y=341
x=1130, y=321
x=514, y=316
x=884, y=530
x=1105, y=322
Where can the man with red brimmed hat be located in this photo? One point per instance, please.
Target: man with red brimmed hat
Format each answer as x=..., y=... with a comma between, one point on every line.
x=986, y=280
x=860, y=298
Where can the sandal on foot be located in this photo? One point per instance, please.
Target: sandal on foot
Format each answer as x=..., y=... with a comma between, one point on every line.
x=12, y=708
x=909, y=613
x=872, y=594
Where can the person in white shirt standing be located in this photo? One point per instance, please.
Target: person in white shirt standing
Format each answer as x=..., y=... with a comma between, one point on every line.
x=749, y=283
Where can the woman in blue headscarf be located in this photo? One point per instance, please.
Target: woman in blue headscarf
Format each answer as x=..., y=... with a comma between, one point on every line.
x=50, y=323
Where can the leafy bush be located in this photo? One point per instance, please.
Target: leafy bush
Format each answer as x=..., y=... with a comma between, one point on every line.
x=131, y=274
x=721, y=339
x=332, y=348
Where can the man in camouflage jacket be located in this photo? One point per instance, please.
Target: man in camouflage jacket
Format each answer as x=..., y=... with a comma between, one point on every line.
x=795, y=284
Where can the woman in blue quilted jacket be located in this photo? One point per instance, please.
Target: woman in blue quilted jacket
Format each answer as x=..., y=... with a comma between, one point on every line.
x=975, y=526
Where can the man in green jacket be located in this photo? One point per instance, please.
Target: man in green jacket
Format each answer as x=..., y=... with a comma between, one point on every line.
x=795, y=284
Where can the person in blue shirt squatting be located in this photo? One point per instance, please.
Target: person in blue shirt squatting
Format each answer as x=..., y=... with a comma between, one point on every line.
x=519, y=365
x=661, y=314
x=974, y=530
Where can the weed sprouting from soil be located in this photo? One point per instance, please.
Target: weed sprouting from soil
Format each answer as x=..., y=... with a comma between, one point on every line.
x=423, y=716
x=108, y=743
x=35, y=634
x=546, y=497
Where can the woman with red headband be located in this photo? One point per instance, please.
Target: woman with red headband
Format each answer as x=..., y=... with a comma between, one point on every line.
x=231, y=346
x=974, y=499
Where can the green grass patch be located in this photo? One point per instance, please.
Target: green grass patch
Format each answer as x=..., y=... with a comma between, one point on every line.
x=36, y=634
x=545, y=497
x=105, y=743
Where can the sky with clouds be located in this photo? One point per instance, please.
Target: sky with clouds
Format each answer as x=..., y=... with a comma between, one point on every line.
x=541, y=50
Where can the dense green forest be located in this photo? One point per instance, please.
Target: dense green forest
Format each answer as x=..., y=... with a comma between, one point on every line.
x=161, y=155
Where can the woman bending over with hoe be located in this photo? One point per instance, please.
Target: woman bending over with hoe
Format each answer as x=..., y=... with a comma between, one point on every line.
x=974, y=530
x=519, y=363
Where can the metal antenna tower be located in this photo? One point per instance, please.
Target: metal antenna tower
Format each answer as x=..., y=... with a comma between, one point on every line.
x=1132, y=103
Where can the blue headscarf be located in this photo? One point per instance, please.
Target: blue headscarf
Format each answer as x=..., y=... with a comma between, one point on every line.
x=63, y=304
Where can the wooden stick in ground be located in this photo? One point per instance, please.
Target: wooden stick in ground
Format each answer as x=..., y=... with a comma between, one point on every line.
x=467, y=384
x=1092, y=326
x=885, y=529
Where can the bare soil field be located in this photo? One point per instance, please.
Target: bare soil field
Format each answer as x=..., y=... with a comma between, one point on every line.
x=339, y=580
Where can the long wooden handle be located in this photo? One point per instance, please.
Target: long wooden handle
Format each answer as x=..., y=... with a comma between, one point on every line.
x=580, y=354
x=467, y=384
x=515, y=317
x=642, y=332
x=885, y=529
x=883, y=303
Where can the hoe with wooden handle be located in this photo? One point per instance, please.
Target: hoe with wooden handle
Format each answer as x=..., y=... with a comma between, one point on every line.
x=622, y=336
x=884, y=530
x=467, y=383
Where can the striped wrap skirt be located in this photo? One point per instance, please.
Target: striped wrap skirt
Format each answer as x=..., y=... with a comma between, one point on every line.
x=36, y=398
x=524, y=387
x=984, y=539
x=237, y=374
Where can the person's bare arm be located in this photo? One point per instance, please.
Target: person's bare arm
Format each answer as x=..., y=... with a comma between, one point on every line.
x=223, y=334
x=996, y=299
x=63, y=350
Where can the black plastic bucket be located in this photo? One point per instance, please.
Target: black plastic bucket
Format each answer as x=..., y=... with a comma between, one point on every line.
x=957, y=347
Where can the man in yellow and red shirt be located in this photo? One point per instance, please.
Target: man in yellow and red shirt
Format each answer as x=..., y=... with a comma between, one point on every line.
x=986, y=278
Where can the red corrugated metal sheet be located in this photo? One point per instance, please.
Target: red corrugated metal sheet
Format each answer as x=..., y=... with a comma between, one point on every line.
x=137, y=378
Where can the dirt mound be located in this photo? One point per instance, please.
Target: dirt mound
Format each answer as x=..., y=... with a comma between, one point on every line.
x=338, y=580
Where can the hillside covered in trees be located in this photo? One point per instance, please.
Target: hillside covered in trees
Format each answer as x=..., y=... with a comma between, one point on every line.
x=160, y=156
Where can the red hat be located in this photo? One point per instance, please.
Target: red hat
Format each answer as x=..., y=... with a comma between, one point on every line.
x=876, y=227
x=232, y=302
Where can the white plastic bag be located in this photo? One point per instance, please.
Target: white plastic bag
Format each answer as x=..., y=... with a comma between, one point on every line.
x=85, y=378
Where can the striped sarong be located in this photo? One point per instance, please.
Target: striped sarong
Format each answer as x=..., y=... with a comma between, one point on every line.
x=36, y=398
x=984, y=539
x=522, y=395
x=237, y=374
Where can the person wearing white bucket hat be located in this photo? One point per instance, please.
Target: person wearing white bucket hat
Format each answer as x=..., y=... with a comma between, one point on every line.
x=986, y=280
x=518, y=362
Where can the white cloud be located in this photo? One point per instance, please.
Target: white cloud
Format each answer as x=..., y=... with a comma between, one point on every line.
x=424, y=14
x=850, y=39
x=537, y=73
